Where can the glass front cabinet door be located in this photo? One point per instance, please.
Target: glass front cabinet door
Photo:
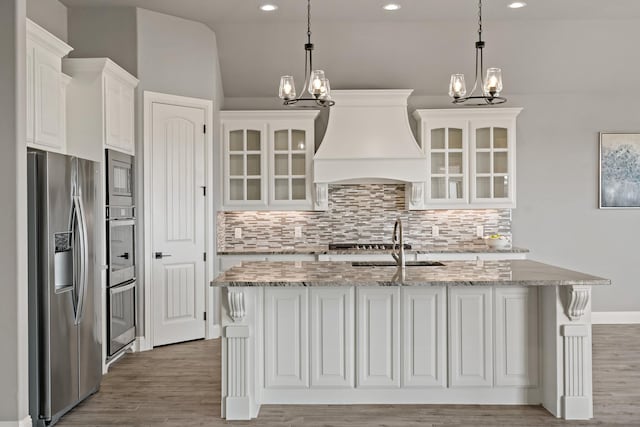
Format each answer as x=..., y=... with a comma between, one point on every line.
x=289, y=172
x=446, y=149
x=470, y=157
x=267, y=159
x=492, y=177
x=245, y=151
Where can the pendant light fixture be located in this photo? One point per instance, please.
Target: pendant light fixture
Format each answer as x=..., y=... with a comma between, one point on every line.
x=491, y=84
x=316, y=91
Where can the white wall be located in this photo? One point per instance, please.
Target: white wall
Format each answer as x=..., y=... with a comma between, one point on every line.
x=13, y=226
x=104, y=32
x=50, y=15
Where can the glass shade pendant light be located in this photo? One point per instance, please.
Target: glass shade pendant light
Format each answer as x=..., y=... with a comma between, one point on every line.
x=316, y=91
x=490, y=85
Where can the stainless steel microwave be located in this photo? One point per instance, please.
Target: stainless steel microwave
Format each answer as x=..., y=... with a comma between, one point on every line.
x=120, y=179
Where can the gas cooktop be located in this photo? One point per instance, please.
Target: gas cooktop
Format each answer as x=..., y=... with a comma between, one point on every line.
x=364, y=246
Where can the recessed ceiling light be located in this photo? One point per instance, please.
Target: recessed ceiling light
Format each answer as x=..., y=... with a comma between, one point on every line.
x=391, y=6
x=517, y=4
x=268, y=7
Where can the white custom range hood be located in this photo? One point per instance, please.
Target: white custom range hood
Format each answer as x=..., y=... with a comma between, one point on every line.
x=368, y=140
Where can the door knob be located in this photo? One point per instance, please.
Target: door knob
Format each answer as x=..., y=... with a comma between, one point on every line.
x=160, y=255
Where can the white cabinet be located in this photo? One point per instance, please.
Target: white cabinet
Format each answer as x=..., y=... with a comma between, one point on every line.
x=267, y=158
x=424, y=329
x=332, y=337
x=286, y=338
x=470, y=337
x=45, y=101
x=516, y=336
x=470, y=157
x=119, y=114
x=101, y=107
x=378, y=337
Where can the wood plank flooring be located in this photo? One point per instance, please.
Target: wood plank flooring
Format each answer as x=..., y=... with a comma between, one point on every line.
x=179, y=385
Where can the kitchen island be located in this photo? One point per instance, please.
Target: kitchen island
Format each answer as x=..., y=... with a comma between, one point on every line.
x=462, y=332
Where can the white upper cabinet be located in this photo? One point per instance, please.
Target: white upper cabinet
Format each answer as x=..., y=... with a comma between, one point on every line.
x=267, y=159
x=101, y=107
x=471, y=157
x=119, y=114
x=45, y=89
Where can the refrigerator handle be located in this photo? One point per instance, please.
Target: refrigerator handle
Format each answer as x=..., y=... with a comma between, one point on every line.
x=82, y=228
x=74, y=224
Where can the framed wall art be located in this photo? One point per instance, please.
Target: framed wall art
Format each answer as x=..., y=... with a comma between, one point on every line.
x=619, y=170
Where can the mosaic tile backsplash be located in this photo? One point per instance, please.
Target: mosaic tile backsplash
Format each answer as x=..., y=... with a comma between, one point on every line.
x=358, y=213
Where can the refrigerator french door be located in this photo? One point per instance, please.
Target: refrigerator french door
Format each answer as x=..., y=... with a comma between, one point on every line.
x=64, y=286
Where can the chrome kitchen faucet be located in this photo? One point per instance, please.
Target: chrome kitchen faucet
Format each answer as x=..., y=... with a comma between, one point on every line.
x=398, y=245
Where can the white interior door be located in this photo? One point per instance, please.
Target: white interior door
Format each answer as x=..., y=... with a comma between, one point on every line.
x=178, y=228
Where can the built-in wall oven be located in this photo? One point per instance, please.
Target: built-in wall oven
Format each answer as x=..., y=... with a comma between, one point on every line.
x=121, y=231
x=121, y=239
x=122, y=316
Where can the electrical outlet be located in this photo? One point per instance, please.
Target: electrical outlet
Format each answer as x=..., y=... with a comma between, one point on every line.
x=435, y=231
x=238, y=232
x=297, y=232
x=479, y=262
x=480, y=231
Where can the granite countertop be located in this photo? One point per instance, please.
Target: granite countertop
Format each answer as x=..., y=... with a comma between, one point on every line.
x=466, y=273
x=324, y=250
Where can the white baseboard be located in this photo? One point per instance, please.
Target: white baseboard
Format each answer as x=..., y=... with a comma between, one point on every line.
x=215, y=331
x=25, y=422
x=141, y=344
x=615, y=317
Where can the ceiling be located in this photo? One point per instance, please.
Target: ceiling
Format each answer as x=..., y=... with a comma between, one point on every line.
x=212, y=12
x=550, y=46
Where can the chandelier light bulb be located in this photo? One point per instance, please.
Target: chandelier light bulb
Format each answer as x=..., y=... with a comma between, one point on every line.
x=457, y=87
x=315, y=82
x=287, y=88
x=325, y=89
x=493, y=82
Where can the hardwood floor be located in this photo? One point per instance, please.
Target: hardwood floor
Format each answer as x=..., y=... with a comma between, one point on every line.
x=179, y=385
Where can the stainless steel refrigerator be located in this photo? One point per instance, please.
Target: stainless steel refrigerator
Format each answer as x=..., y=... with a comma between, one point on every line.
x=65, y=329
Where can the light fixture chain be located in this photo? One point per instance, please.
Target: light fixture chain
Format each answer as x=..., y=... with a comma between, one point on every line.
x=309, y=20
x=480, y=20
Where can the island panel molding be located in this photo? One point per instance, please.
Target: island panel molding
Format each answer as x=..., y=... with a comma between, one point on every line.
x=332, y=342
x=576, y=402
x=237, y=401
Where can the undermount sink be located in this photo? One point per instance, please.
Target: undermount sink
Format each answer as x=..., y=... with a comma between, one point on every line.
x=393, y=264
